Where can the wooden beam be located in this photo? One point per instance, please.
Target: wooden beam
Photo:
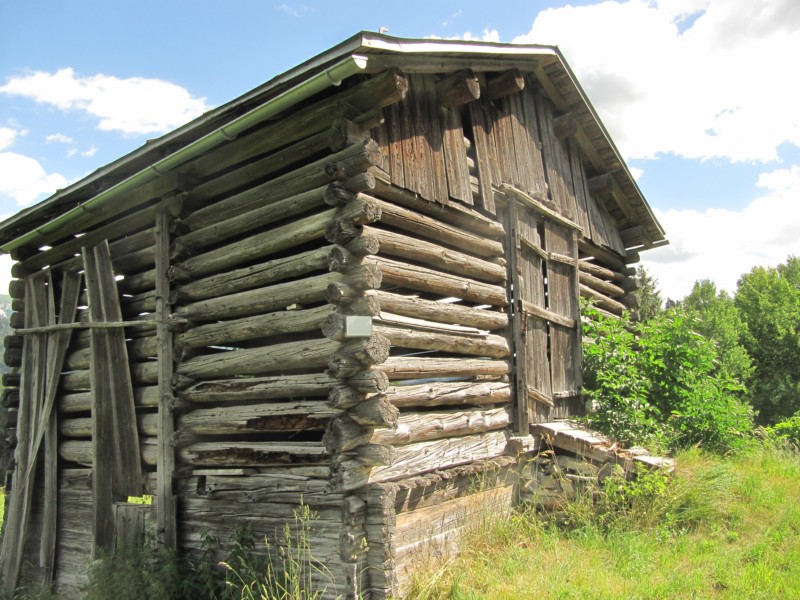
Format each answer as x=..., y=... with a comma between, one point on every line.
x=166, y=499
x=458, y=88
x=506, y=83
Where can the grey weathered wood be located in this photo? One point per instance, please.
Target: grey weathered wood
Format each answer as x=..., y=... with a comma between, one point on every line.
x=449, y=393
x=166, y=498
x=253, y=276
x=444, y=312
x=429, y=280
x=458, y=88
x=435, y=255
x=31, y=399
x=340, y=166
x=257, y=326
x=259, y=388
x=438, y=230
x=412, y=367
x=310, y=290
x=494, y=346
x=504, y=84
x=260, y=361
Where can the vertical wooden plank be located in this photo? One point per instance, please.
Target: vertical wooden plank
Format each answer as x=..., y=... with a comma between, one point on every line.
x=395, y=132
x=381, y=136
x=57, y=350
x=519, y=139
x=537, y=338
x=128, y=465
x=455, y=155
x=407, y=135
x=518, y=341
x=579, y=187
x=435, y=139
x=103, y=453
x=484, y=154
x=504, y=142
x=528, y=100
x=422, y=151
x=165, y=494
x=33, y=374
x=563, y=301
x=557, y=168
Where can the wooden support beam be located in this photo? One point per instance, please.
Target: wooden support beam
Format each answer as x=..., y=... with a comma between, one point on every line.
x=506, y=83
x=458, y=88
x=565, y=126
x=166, y=498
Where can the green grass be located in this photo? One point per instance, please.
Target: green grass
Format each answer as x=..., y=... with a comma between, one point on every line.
x=719, y=528
x=2, y=505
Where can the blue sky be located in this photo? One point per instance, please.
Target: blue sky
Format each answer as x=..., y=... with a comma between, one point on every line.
x=694, y=92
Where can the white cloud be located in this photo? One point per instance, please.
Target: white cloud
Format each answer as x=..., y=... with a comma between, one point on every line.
x=24, y=179
x=724, y=244
x=91, y=151
x=488, y=35
x=5, y=266
x=133, y=106
x=697, y=78
x=7, y=137
x=58, y=137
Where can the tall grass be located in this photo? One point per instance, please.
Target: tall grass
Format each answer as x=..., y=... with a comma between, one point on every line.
x=720, y=527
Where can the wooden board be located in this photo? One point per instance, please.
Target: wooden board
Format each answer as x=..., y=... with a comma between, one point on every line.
x=117, y=469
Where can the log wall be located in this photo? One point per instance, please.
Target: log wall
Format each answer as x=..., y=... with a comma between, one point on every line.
x=319, y=313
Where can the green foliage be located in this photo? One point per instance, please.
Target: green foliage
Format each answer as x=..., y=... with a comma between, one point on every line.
x=718, y=319
x=768, y=300
x=651, y=302
x=657, y=383
x=245, y=573
x=718, y=527
x=133, y=573
x=788, y=429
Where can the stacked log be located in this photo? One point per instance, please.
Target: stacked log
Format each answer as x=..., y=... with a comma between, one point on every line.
x=607, y=281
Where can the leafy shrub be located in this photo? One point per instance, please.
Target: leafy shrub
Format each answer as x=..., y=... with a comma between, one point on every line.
x=658, y=383
x=788, y=429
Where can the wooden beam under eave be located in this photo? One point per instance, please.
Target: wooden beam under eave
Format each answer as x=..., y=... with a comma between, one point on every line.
x=506, y=83
x=565, y=126
x=459, y=88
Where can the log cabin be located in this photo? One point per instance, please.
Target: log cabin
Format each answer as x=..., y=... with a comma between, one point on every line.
x=355, y=288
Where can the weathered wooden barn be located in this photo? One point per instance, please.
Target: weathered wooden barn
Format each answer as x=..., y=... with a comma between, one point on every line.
x=356, y=287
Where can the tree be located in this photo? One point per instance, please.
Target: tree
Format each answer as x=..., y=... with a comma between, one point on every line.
x=650, y=300
x=768, y=300
x=718, y=319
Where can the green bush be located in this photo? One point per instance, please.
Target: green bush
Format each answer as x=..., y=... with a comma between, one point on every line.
x=658, y=383
x=788, y=429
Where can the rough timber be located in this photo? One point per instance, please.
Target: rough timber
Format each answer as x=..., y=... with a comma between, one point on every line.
x=355, y=286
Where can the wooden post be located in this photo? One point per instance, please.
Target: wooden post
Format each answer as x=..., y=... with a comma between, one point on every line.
x=166, y=501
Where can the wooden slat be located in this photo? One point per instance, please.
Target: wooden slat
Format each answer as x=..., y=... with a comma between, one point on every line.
x=31, y=393
x=547, y=315
x=115, y=440
x=455, y=156
x=431, y=115
x=57, y=348
x=166, y=500
x=485, y=154
x=396, y=156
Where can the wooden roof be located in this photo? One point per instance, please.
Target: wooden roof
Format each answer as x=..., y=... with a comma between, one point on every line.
x=378, y=52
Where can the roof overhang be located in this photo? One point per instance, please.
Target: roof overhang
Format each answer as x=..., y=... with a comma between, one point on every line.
x=369, y=52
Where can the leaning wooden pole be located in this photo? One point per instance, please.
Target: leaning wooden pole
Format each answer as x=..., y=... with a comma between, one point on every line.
x=166, y=501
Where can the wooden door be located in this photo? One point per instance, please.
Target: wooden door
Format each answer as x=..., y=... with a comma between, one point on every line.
x=546, y=317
